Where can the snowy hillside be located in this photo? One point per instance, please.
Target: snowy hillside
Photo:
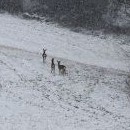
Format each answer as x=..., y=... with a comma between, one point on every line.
x=33, y=36
x=93, y=96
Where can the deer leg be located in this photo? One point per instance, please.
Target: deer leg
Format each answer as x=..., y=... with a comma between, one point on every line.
x=54, y=71
x=59, y=71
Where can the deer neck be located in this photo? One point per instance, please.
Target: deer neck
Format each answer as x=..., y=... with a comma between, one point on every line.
x=52, y=62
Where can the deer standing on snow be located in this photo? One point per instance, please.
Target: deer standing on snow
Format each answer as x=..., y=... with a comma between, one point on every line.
x=52, y=66
x=44, y=55
x=62, y=68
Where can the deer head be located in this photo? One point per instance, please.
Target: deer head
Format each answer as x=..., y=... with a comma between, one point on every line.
x=44, y=50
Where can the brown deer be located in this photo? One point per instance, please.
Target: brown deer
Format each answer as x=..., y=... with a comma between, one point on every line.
x=52, y=66
x=62, y=68
x=44, y=55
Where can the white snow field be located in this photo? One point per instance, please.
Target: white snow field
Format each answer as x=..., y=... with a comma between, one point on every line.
x=93, y=95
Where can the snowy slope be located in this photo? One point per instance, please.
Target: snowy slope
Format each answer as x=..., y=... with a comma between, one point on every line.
x=88, y=98
x=32, y=36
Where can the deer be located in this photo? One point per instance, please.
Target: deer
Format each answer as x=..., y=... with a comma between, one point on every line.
x=62, y=68
x=44, y=55
x=52, y=66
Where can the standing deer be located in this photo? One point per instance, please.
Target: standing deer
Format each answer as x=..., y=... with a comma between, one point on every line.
x=62, y=68
x=44, y=55
x=52, y=66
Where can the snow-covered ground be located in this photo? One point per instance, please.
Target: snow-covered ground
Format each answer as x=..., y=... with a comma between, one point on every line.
x=93, y=96
x=33, y=36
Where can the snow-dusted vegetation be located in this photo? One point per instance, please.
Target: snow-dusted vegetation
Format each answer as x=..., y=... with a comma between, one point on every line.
x=94, y=95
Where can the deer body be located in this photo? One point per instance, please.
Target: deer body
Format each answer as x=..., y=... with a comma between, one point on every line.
x=62, y=68
x=52, y=66
x=44, y=55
